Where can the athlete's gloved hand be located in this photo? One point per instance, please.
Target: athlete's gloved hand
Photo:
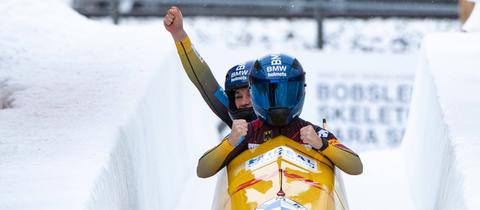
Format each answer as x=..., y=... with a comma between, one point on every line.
x=309, y=136
x=173, y=22
x=239, y=129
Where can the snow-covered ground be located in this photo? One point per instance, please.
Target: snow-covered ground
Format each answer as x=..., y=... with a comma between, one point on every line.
x=95, y=116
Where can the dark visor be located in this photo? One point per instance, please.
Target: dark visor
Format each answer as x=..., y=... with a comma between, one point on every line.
x=277, y=93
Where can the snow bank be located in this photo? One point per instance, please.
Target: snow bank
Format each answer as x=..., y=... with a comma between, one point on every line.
x=91, y=118
x=441, y=143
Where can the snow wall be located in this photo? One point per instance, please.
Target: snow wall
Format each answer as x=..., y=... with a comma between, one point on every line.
x=88, y=113
x=441, y=143
x=152, y=161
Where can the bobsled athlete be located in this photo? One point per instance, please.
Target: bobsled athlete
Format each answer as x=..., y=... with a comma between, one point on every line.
x=232, y=103
x=277, y=87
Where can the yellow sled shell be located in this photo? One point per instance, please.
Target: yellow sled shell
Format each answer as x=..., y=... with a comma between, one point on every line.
x=280, y=169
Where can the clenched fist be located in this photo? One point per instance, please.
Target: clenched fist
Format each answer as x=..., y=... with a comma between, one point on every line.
x=309, y=136
x=239, y=129
x=173, y=22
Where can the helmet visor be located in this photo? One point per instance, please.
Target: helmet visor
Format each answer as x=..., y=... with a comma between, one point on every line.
x=277, y=93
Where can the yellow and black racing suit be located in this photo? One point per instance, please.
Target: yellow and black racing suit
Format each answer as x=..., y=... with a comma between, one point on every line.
x=218, y=157
x=202, y=77
x=213, y=94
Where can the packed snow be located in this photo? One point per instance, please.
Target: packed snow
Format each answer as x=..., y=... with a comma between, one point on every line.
x=96, y=116
x=442, y=133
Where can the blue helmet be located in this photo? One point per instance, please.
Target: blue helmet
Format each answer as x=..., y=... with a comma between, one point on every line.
x=237, y=77
x=277, y=87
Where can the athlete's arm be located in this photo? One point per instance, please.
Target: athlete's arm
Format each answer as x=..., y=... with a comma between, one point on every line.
x=196, y=68
x=343, y=157
x=215, y=159
x=328, y=145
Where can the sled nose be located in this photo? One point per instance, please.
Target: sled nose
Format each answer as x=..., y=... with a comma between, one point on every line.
x=281, y=203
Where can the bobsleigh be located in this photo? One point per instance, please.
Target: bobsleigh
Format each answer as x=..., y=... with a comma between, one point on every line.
x=280, y=174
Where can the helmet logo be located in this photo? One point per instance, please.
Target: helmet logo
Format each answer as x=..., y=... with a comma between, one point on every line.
x=240, y=67
x=239, y=74
x=276, y=60
x=276, y=69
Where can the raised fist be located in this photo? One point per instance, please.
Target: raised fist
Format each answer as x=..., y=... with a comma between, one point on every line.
x=173, y=22
x=239, y=129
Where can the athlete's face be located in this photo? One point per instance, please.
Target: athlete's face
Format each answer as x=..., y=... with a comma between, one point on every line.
x=242, y=98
